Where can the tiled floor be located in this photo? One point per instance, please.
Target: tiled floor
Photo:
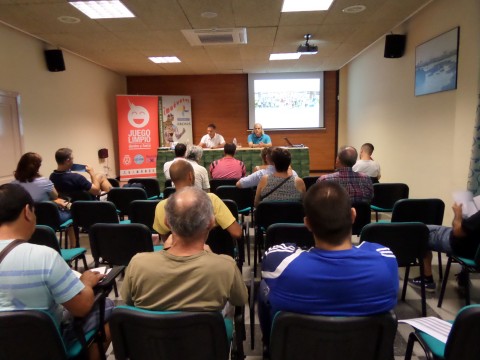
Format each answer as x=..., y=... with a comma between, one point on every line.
x=409, y=309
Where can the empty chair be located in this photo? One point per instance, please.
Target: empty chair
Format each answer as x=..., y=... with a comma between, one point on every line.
x=462, y=342
x=309, y=181
x=427, y=211
x=168, y=191
x=122, y=197
x=47, y=213
x=289, y=233
x=272, y=212
x=114, y=182
x=152, y=186
x=385, y=195
x=116, y=244
x=363, y=217
x=143, y=212
x=310, y=337
x=45, y=235
x=407, y=241
x=143, y=334
x=215, y=183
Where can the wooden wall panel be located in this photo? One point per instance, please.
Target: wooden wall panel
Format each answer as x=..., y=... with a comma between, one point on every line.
x=223, y=100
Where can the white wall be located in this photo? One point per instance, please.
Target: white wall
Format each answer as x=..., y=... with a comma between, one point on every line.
x=423, y=141
x=74, y=108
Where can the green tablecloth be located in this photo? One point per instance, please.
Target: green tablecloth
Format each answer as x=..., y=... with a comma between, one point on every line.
x=250, y=157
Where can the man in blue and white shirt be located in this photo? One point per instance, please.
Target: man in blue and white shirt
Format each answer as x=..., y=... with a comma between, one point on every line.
x=334, y=278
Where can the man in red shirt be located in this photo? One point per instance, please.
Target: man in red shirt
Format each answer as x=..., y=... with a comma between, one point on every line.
x=227, y=167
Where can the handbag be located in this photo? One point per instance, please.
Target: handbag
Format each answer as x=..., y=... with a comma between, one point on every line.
x=275, y=188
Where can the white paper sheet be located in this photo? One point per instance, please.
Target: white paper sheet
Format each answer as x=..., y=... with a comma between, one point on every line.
x=438, y=328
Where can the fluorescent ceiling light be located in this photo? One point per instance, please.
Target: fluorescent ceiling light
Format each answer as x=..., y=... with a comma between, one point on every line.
x=164, y=59
x=306, y=5
x=106, y=9
x=285, y=56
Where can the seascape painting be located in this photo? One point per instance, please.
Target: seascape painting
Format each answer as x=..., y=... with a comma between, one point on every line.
x=436, y=64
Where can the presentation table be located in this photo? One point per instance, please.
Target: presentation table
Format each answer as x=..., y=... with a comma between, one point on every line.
x=249, y=156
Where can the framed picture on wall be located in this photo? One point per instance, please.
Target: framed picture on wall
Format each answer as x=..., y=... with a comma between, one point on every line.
x=436, y=64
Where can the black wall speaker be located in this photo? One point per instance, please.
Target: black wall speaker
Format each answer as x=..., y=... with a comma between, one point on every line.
x=103, y=153
x=394, y=45
x=54, y=60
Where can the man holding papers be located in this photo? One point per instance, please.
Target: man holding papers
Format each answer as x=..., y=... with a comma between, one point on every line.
x=463, y=239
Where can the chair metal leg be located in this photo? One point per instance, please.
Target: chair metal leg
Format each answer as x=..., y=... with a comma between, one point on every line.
x=411, y=342
x=405, y=282
x=444, y=282
x=422, y=290
x=467, y=287
x=85, y=266
x=440, y=269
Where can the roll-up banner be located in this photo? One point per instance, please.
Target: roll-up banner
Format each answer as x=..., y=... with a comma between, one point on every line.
x=144, y=124
x=137, y=135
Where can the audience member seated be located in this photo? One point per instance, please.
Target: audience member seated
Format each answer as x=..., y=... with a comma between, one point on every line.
x=359, y=186
x=69, y=183
x=463, y=239
x=194, y=154
x=227, y=167
x=183, y=176
x=180, y=150
x=185, y=276
x=366, y=164
x=263, y=156
x=212, y=140
x=333, y=278
x=40, y=188
x=258, y=138
x=253, y=179
x=281, y=185
x=52, y=285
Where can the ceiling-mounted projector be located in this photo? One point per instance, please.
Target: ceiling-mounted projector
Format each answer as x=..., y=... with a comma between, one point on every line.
x=307, y=49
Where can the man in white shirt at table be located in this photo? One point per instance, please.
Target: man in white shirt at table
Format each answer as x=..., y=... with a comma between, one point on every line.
x=212, y=140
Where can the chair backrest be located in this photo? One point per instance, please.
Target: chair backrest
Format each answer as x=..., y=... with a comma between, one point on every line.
x=114, y=182
x=219, y=240
x=145, y=335
x=363, y=217
x=408, y=241
x=289, y=233
x=215, y=183
x=152, y=187
x=272, y=212
x=168, y=183
x=143, y=212
x=118, y=243
x=87, y=213
x=427, y=211
x=462, y=343
x=385, y=195
x=243, y=197
x=168, y=191
x=47, y=213
x=310, y=180
x=45, y=235
x=327, y=337
x=122, y=197
x=29, y=334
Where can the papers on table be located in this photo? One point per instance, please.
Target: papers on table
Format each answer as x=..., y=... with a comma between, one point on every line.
x=433, y=326
x=470, y=204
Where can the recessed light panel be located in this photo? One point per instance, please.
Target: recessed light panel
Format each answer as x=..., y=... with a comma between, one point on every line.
x=285, y=56
x=107, y=9
x=164, y=59
x=306, y=5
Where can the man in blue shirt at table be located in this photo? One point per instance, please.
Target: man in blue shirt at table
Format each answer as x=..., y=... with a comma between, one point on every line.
x=258, y=138
x=334, y=278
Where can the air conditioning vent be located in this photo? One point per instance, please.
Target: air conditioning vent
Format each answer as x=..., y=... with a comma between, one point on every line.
x=205, y=37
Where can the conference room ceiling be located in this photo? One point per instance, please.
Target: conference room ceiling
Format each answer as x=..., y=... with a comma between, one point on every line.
x=124, y=45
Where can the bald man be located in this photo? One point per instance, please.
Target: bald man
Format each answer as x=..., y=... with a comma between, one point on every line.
x=359, y=186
